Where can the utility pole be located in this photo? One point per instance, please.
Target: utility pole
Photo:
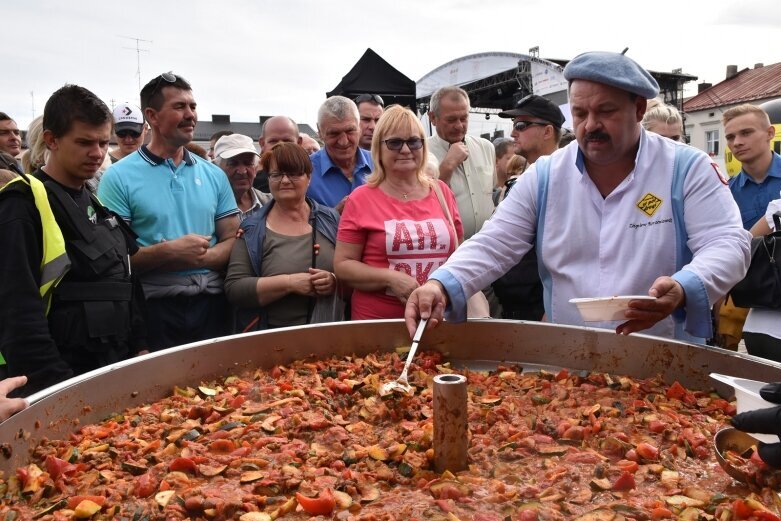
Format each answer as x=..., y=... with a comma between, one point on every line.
x=138, y=50
x=32, y=101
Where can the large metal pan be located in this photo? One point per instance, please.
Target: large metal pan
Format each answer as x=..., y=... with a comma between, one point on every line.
x=59, y=410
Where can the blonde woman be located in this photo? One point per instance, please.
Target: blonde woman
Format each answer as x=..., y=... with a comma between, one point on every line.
x=663, y=119
x=393, y=232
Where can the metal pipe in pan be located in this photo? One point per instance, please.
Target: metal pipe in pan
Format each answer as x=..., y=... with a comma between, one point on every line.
x=478, y=343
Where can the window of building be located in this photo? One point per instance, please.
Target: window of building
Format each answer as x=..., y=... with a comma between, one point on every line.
x=712, y=142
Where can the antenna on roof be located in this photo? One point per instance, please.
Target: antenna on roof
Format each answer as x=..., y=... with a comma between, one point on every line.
x=625, y=49
x=138, y=50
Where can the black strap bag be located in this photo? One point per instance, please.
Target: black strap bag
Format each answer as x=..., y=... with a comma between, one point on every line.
x=761, y=288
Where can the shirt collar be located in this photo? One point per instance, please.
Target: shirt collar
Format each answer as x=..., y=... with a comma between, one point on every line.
x=773, y=171
x=362, y=158
x=155, y=160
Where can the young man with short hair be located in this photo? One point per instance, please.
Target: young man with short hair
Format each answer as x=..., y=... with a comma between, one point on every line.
x=66, y=259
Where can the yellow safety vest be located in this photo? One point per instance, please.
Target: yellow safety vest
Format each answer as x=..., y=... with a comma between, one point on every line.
x=54, y=261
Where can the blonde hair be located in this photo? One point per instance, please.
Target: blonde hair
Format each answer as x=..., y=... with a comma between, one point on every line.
x=36, y=154
x=396, y=119
x=658, y=110
x=516, y=165
x=742, y=110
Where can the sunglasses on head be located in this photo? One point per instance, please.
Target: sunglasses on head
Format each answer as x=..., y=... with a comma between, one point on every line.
x=168, y=77
x=126, y=133
x=370, y=97
x=413, y=143
x=520, y=126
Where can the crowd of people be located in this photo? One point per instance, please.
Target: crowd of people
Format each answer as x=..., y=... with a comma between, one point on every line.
x=115, y=253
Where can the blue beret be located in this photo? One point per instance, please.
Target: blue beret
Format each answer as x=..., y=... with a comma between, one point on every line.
x=614, y=69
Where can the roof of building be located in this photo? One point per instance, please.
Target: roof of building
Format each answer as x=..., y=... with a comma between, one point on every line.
x=745, y=86
x=206, y=129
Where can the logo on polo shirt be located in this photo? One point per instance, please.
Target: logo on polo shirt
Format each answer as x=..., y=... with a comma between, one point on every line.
x=649, y=204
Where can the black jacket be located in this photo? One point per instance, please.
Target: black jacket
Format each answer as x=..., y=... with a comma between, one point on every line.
x=96, y=315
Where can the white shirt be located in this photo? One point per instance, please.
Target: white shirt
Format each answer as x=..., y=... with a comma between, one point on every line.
x=592, y=246
x=472, y=182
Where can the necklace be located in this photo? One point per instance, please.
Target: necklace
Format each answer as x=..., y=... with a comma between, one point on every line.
x=404, y=195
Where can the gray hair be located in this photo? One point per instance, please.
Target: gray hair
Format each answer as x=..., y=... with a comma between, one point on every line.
x=263, y=127
x=446, y=92
x=338, y=108
x=501, y=145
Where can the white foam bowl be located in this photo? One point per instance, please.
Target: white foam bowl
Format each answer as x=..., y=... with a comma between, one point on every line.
x=748, y=399
x=605, y=309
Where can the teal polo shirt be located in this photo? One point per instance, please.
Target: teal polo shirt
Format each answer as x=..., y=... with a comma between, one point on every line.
x=162, y=201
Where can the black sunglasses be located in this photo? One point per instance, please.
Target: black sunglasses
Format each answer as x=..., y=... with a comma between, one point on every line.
x=520, y=126
x=370, y=97
x=126, y=133
x=413, y=143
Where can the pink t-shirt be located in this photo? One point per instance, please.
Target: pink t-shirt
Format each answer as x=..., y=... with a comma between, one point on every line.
x=412, y=236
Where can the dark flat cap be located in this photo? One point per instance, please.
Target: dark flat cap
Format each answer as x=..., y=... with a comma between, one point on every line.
x=538, y=107
x=614, y=69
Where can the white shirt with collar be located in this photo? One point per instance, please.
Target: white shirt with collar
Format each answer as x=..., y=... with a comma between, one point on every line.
x=472, y=182
x=590, y=246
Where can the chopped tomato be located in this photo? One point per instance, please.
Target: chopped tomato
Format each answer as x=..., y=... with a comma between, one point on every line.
x=628, y=466
x=661, y=513
x=562, y=375
x=323, y=504
x=657, y=426
x=740, y=509
x=529, y=514
x=765, y=515
x=222, y=446
x=676, y=390
x=183, y=465
x=73, y=501
x=145, y=485
x=56, y=466
x=647, y=451
x=238, y=401
x=625, y=481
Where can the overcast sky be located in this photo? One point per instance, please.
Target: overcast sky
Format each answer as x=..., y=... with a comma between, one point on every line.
x=250, y=58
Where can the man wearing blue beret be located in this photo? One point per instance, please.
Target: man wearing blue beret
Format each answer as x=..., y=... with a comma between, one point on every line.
x=626, y=212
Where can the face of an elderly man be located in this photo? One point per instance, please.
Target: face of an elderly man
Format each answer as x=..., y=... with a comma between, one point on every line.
x=340, y=138
x=606, y=121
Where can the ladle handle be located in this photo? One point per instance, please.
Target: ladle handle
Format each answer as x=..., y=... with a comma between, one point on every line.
x=414, y=347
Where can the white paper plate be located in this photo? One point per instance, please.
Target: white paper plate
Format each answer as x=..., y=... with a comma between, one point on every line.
x=748, y=398
x=605, y=309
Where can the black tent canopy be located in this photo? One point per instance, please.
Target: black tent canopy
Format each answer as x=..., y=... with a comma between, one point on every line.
x=373, y=75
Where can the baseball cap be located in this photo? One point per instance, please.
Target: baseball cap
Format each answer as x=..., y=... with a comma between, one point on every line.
x=614, y=69
x=538, y=107
x=128, y=117
x=230, y=146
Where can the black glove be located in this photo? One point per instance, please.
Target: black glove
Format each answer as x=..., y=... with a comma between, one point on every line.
x=764, y=421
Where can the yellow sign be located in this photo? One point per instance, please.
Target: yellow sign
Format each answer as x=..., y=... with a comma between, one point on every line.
x=649, y=204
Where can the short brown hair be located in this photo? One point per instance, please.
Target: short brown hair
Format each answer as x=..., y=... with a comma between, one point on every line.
x=742, y=110
x=290, y=158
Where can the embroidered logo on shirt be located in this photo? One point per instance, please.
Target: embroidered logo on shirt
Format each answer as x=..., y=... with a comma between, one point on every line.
x=649, y=204
x=722, y=178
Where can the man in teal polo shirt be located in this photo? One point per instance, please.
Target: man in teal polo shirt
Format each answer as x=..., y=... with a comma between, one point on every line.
x=184, y=213
x=341, y=166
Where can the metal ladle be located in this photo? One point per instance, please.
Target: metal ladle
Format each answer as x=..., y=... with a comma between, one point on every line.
x=402, y=384
x=731, y=439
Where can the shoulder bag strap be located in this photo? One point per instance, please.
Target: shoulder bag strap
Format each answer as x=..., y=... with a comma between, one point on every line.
x=445, y=209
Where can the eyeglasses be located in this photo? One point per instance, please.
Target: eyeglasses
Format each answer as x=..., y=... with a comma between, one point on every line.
x=122, y=134
x=169, y=77
x=520, y=126
x=277, y=176
x=370, y=97
x=413, y=143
